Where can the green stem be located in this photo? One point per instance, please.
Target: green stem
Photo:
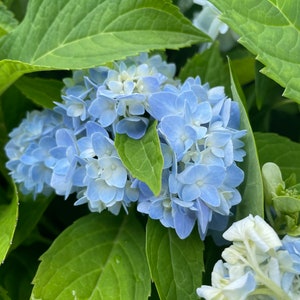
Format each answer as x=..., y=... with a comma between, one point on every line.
x=276, y=290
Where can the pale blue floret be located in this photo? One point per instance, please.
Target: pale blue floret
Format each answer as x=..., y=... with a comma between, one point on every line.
x=291, y=279
x=164, y=104
x=134, y=127
x=104, y=109
x=179, y=135
x=200, y=181
x=292, y=245
x=158, y=208
x=75, y=106
x=66, y=155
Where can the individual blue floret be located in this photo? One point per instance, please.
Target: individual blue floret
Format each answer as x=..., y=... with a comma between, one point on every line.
x=65, y=154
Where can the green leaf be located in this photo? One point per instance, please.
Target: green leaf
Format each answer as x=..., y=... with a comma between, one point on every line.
x=176, y=265
x=143, y=157
x=98, y=257
x=269, y=29
x=3, y=294
x=11, y=70
x=209, y=65
x=8, y=221
x=7, y=20
x=280, y=150
x=252, y=187
x=77, y=34
x=41, y=91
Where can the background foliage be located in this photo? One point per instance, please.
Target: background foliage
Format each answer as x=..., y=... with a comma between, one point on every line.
x=100, y=256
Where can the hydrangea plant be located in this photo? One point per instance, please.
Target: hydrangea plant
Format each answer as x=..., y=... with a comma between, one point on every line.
x=149, y=149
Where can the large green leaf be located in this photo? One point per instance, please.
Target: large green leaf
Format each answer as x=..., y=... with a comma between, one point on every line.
x=7, y=20
x=11, y=70
x=143, y=158
x=98, y=257
x=252, y=187
x=280, y=150
x=8, y=221
x=176, y=265
x=271, y=30
x=79, y=34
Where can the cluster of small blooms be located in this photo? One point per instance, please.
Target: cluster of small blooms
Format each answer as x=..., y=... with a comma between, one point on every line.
x=71, y=149
x=258, y=265
x=208, y=21
x=199, y=125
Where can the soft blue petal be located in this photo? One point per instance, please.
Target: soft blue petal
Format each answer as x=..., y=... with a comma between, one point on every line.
x=98, y=190
x=134, y=127
x=102, y=145
x=163, y=104
x=184, y=222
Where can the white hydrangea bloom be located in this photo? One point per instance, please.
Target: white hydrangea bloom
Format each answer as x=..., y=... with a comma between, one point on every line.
x=258, y=265
x=208, y=21
x=254, y=230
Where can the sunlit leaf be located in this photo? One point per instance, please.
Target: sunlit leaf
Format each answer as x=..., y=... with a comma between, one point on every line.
x=270, y=29
x=11, y=70
x=7, y=20
x=143, y=157
x=98, y=257
x=80, y=34
x=8, y=221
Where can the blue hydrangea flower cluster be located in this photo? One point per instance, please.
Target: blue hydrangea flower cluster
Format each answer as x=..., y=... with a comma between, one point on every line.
x=258, y=265
x=70, y=149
